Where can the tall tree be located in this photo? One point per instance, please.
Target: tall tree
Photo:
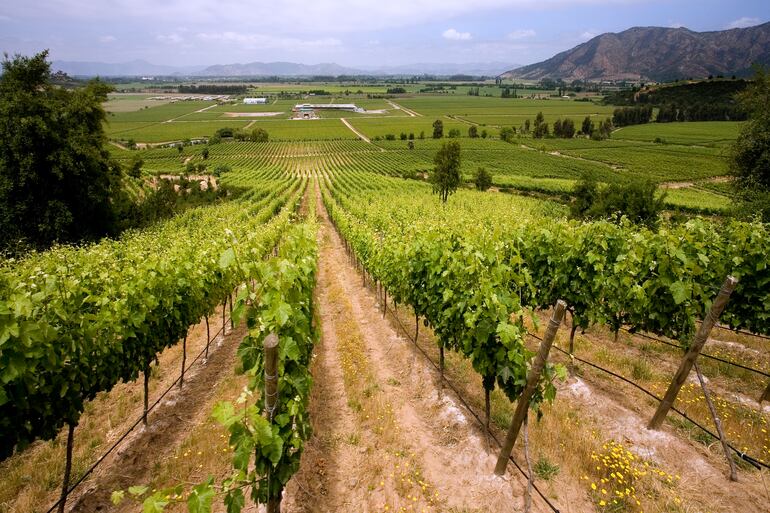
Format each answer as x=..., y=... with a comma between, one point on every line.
x=482, y=179
x=446, y=175
x=587, y=127
x=55, y=175
x=750, y=154
x=438, y=129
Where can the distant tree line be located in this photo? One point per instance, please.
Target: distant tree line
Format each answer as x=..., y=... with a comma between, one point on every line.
x=626, y=116
x=213, y=89
x=708, y=100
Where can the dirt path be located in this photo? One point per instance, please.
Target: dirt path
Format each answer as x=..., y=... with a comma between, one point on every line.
x=204, y=109
x=352, y=129
x=180, y=411
x=420, y=450
x=411, y=113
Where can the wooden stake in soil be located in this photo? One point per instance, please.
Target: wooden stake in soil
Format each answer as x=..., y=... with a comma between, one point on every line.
x=232, y=322
x=67, y=468
x=224, y=306
x=271, y=400
x=208, y=339
x=441, y=361
x=530, y=477
x=384, y=303
x=522, y=405
x=417, y=329
x=717, y=423
x=146, y=391
x=184, y=359
x=695, y=348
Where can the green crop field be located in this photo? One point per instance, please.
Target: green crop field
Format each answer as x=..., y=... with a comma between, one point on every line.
x=164, y=112
x=692, y=152
x=173, y=131
x=692, y=132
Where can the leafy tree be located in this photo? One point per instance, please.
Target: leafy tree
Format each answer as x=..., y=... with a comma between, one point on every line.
x=484, y=133
x=473, y=131
x=259, y=135
x=588, y=127
x=56, y=179
x=750, y=154
x=454, y=133
x=403, y=136
x=205, y=153
x=540, y=129
x=422, y=134
x=482, y=179
x=568, y=129
x=438, y=129
x=557, y=128
x=637, y=200
x=221, y=169
x=135, y=167
x=506, y=134
x=410, y=145
x=446, y=175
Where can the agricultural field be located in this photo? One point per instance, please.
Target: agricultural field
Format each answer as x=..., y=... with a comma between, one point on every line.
x=702, y=133
x=418, y=321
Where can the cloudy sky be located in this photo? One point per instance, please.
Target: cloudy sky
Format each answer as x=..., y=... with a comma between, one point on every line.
x=349, y=32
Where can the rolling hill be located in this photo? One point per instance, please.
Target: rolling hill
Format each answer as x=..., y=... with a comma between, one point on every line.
x=656, y=53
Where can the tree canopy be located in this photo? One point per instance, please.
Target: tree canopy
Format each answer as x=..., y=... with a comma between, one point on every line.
x=446, y=175
x=637, y=200
x=750, y=156
x=56, y=178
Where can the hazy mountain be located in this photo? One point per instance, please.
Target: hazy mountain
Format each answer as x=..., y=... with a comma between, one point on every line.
x=283, y=69
x=125, y=69
x=656, y=53
x=445, y=69
x=268, y=69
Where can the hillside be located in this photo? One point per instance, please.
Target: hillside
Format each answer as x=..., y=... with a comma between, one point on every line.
x=656, y=53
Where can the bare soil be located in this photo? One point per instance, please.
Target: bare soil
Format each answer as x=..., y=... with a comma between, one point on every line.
x=336, y=472
x=181, y=410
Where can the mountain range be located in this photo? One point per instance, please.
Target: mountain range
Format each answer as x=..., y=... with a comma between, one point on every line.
x=656, y=53
x=268, y=69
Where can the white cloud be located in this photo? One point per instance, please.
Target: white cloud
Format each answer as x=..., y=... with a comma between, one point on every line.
x=743, y=23
x=588, y=34
x=172, y=38
x=454, y=35
x=108, y=39
x=257, y=41
x=521, y=34
x=675, y=24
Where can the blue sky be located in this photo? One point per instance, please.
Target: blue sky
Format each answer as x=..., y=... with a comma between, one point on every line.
x=349, y=32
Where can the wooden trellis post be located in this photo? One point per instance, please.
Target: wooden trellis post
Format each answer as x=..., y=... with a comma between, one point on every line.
x=522, y=405
x=271, y=401
x=695, y=348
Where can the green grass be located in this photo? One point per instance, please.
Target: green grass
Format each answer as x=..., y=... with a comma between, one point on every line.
x=697, y=199
x=380, y=127
x=175, y=131
x=704, y=133
x=161, y=112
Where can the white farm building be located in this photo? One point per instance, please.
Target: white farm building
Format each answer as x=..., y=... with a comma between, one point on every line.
x=255, y=101
x=351, y=107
